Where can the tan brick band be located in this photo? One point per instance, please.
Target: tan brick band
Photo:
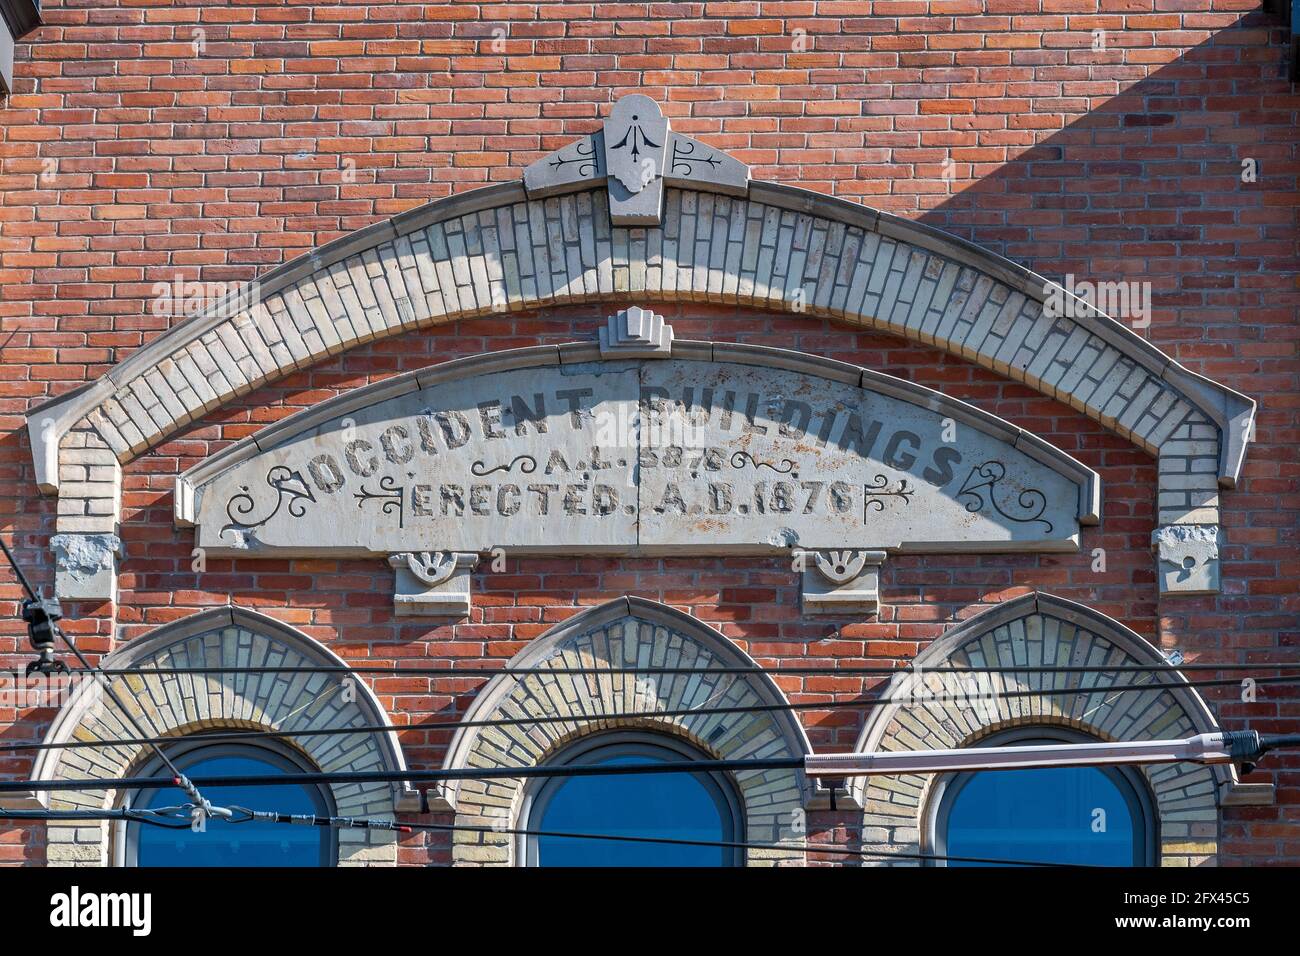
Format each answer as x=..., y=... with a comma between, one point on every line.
x=495, y=250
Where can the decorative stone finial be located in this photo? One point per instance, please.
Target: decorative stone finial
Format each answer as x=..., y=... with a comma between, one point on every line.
x=635, y=153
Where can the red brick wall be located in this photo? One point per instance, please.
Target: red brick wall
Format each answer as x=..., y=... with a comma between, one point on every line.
x=995, y=120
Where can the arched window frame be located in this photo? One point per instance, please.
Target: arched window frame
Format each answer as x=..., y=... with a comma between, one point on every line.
x=229, y=703
x=621, y=633
x=192, y=750
x=537, y=797
x=1129, y=782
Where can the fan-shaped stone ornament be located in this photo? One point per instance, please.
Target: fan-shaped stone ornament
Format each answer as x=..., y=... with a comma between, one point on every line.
x=635, y=153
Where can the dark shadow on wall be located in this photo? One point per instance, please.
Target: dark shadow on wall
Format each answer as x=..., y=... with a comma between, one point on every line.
x=1154, y=185
x=1148, y=187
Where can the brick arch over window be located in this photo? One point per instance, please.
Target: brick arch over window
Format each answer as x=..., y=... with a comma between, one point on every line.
x=628, y=632
x=181, y=705
x=777, y=247
x=1039, y=629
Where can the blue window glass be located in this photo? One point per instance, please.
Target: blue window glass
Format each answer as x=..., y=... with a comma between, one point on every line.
x=1087, y=816
x=1074, y=815
x=670, y=805
x=235, y=844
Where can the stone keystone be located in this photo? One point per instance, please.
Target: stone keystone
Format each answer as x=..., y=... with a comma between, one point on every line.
x=635, y=154
x=636, y=333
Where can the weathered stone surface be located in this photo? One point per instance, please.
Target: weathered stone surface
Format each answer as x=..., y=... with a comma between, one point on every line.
x=636, y=333
x=85, y=566
x=576, y=166
x=636, y=207
x=636, y=141
x=636, y=154
x=510, y=248
x=693, y=165
x=1188, y=556
x=746, y=457
x=716, y=450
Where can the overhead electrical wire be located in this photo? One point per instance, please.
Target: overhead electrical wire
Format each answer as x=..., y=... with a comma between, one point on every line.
x=453, y=724
x=406, y=776
x=248, y=816
x=802, y=671
x=179, y=778
x=147, y=817
x=164, y=817
x=446, y=774
x=735, y=844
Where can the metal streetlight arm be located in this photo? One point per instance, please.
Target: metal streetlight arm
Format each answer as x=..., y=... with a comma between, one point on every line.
x=1244, y=747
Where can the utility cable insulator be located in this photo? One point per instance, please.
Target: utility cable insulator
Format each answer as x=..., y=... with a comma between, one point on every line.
x=312, y=820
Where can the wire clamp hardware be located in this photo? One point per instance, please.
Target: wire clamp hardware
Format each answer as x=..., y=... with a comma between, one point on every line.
x=40, y=614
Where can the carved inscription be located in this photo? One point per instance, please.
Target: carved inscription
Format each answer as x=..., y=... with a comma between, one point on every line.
x=655, y=456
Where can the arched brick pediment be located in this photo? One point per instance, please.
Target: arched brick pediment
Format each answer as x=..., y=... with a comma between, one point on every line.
x=938, y=710
x=540, y=243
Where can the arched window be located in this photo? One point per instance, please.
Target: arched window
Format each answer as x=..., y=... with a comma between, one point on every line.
x=676, y=806
x=233, y=844
x=1095, y=816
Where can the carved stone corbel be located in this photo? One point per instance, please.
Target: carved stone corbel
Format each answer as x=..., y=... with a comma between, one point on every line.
x=838, y=582
x=1188, y=558
x=432, y=583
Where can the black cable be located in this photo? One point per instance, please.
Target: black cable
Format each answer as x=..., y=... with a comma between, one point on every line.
x=408, y=776
x=878, y=671
x=436, y=725
x=136, y=816
x=733, y=844
x=345, y=822
x=1277, y=741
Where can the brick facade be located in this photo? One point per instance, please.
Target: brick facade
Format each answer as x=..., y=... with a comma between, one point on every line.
x=128, y=159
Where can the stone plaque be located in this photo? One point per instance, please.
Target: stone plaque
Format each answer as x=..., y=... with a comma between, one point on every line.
x=705, y=450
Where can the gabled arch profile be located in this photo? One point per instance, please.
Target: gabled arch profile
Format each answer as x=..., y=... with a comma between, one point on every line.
x=628, y=632
x=553, y=240
x=189, y=705
x=1033, y=630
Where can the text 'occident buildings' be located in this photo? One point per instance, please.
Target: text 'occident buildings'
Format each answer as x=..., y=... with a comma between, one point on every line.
x=671, y=370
